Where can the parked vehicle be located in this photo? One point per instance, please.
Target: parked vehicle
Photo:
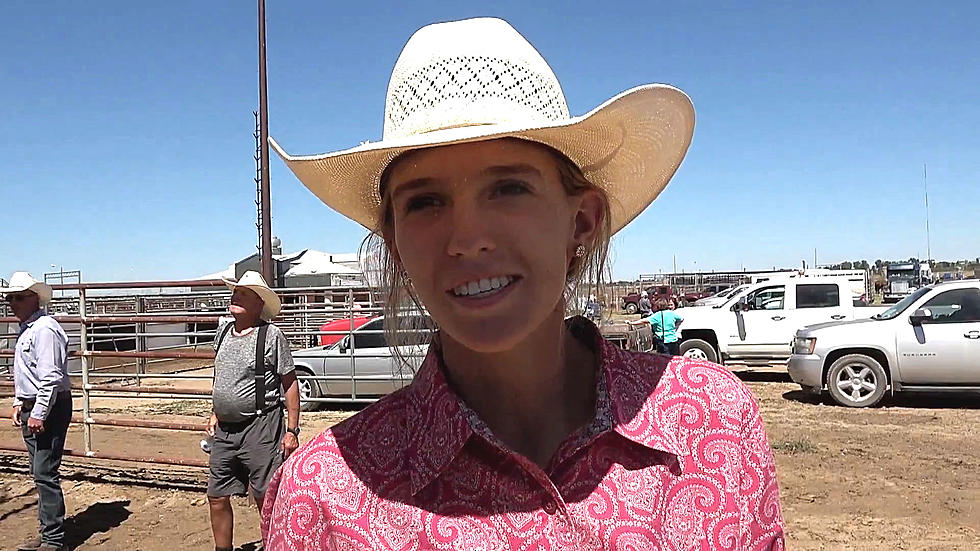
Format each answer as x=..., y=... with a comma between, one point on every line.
x=361, y=365
x=928, y=341
x=904, y=278
x=340, y=325
x=630, y=302
x=755, y=327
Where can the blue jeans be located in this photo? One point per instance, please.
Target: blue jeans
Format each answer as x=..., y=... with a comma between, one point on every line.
x=45, y=450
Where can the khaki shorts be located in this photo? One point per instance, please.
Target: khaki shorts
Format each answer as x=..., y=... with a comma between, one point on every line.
x=246, y=455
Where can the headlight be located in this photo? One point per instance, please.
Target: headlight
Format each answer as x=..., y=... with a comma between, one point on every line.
x=804, y=346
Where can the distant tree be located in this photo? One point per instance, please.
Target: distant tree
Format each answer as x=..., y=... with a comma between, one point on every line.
x=846, y=265
x=878, y=264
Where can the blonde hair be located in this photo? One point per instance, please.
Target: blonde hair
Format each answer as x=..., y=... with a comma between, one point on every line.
x=397, y=290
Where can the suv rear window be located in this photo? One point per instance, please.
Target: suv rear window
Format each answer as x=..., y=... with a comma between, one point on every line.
x=819, y=295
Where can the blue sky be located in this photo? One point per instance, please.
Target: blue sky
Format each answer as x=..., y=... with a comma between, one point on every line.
x=125, y=130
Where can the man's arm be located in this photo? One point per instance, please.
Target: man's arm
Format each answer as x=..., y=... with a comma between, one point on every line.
x=50, y=369
x=290, y=386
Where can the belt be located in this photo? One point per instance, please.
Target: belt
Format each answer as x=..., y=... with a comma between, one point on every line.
x=60, y=395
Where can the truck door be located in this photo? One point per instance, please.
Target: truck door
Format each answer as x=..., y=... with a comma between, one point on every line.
x=819, y=303
x=945, y=349
x=767, y=331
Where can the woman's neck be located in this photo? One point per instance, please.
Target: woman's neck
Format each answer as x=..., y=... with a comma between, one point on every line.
x=532, y=396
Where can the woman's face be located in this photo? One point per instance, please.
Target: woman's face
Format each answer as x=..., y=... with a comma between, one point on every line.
x=487, y=232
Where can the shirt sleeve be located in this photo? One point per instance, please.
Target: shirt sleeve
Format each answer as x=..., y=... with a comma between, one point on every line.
x=50, y=349
x=761, y=522
x=282, y=354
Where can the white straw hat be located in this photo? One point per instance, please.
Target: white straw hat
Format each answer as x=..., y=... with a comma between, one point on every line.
x=479, y=79
x=24, y=281
x=254, y=281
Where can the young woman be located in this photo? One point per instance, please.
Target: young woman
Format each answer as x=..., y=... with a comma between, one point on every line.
x=522, y=429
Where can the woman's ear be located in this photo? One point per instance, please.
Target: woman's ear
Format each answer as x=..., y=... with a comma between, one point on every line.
x=588, y=218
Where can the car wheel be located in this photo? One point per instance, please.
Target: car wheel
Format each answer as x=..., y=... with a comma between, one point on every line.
x=699, y=350
x=307, y=389
x=857, y=381
x=631, y=308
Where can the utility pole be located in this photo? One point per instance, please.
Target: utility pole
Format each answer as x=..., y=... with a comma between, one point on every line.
x=925, y=186
x=266, y=252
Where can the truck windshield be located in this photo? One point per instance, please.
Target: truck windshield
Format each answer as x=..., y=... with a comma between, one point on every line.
x=902, y=305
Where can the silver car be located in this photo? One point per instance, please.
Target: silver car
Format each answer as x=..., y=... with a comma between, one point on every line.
x=363, y=365
x=929, y=341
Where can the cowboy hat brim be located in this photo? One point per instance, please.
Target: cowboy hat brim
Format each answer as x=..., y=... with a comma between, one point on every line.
x=271, y=304
x=41, y=289
x=630, y=146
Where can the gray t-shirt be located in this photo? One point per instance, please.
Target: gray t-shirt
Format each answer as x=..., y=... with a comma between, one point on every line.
x=234, y=375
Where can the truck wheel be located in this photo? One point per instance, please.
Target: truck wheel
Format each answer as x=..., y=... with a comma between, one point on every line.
x=631, y=307
x=857, y=381
x=699, y=350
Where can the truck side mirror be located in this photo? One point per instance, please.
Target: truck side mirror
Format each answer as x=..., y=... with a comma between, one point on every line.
x=741, y=305
x=919, y=316
x=345, y=344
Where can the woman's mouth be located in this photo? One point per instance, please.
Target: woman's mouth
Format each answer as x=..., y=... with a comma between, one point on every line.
x=483, y=287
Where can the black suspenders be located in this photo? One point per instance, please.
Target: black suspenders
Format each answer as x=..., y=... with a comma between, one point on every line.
x=260, y=370
x=259, y=363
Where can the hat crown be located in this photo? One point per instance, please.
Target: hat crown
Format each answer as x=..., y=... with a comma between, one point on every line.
x=469, y=73
x=22, y=279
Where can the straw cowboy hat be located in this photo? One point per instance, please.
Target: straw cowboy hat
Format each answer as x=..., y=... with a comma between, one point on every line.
x=479, y=79
x=254, y=281
x=24, y=281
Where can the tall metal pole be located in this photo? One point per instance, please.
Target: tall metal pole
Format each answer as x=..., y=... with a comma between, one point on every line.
x=925, y=186
x=264, y=137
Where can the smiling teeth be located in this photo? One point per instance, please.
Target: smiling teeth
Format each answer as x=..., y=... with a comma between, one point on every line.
x=482, y=286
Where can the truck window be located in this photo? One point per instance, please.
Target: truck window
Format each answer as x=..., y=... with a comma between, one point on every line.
x=956, y=306
x=820, y=295
x=767, y=298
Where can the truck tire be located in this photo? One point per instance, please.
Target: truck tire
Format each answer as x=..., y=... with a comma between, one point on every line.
x=631, y=308
x=857, y=381
x=699, y=350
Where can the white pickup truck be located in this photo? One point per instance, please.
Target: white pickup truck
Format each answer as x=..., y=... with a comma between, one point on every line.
x=755, y=327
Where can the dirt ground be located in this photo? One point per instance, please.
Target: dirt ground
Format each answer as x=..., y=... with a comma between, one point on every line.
x=904, y=476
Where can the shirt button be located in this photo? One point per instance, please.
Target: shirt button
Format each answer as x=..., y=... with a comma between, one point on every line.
x=550, y=507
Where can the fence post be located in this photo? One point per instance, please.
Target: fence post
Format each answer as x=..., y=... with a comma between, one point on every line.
x=83, y=348
x=141, y=339
x=353, y=375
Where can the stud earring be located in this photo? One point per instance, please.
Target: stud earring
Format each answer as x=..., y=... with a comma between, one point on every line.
x=580, y=251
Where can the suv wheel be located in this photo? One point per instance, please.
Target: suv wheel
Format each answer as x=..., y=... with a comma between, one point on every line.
x=699, y=350
x=857, y=381
x=631, y=307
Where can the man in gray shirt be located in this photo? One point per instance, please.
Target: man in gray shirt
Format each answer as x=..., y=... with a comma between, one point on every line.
x=249, y=440
x=42, y=401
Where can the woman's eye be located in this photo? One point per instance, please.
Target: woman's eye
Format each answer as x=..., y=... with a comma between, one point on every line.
x=510, y=187
x=421, y=202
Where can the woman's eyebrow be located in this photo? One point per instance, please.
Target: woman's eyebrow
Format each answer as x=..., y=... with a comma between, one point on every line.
x=510, y=170
x=411, y=185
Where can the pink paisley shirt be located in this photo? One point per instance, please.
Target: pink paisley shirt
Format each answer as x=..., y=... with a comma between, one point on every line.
x=676, y=458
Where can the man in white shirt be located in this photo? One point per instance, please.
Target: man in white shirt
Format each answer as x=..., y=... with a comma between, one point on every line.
x=42, y=401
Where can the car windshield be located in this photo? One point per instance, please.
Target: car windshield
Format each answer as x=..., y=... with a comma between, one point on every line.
x=738, y=290
x=902, y=305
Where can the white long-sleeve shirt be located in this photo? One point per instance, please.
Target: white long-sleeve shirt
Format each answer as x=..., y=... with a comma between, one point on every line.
x=40, y=363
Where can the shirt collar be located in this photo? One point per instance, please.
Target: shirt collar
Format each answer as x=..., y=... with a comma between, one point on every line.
x=439, y=423
x=29, y=321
